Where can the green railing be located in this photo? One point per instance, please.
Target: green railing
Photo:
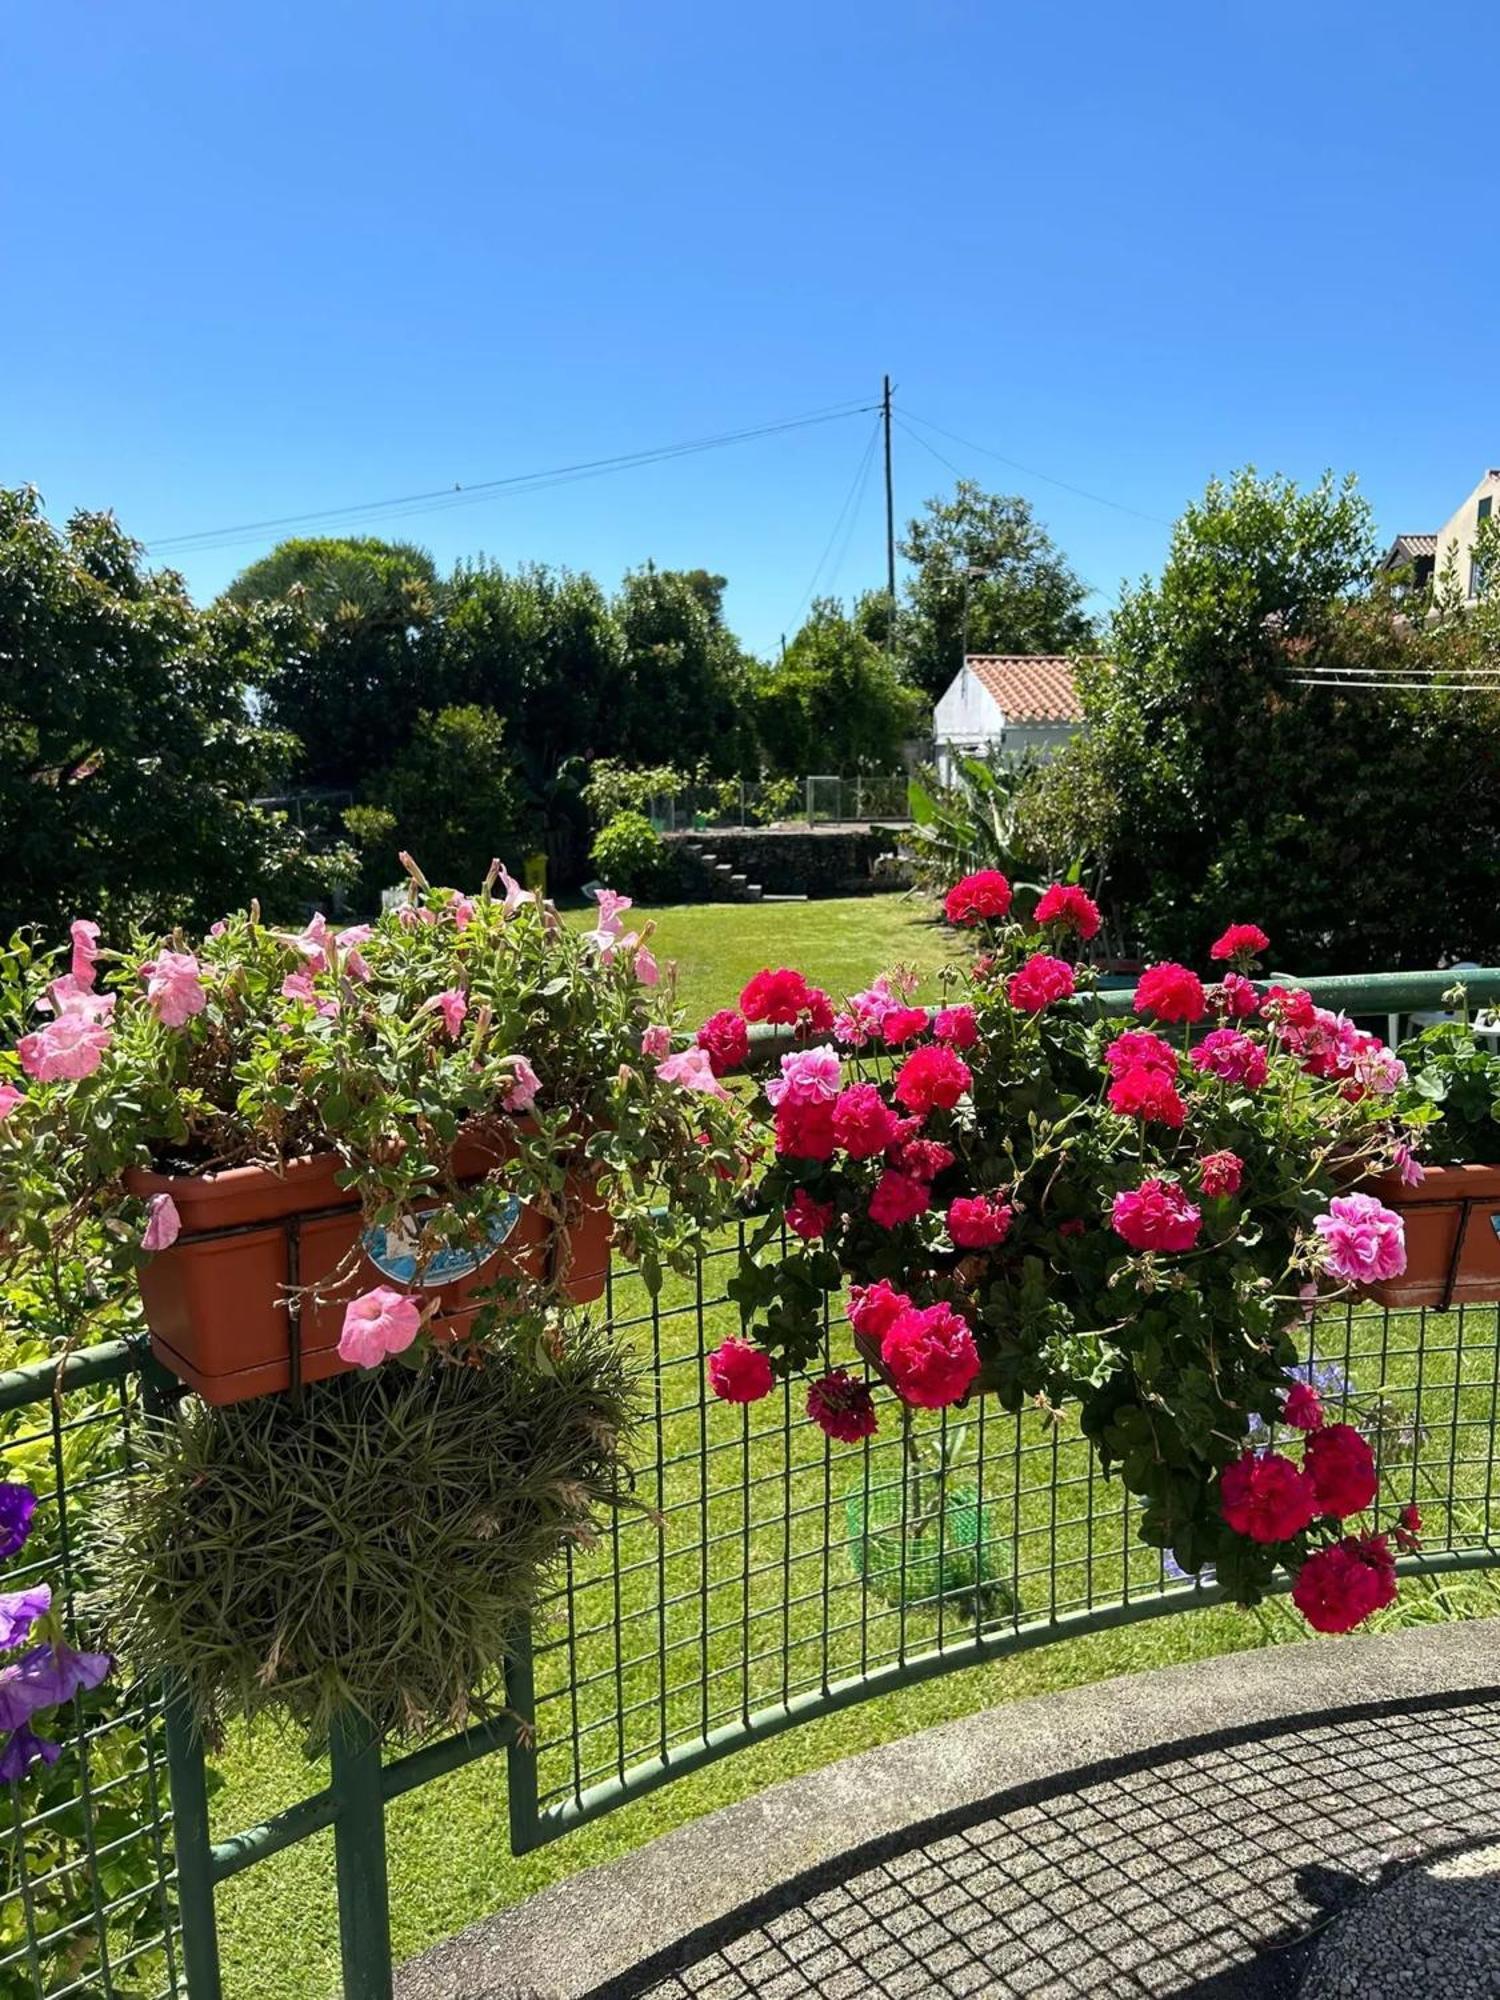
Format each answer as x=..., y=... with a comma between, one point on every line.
x=767, y=1577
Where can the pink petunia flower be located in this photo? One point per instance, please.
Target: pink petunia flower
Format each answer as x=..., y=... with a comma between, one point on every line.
x=163, y=1223
x=10, y=1097
x=378, y=1323
x=453, y=1005
x=647, y=971
x=691, y=1069
x=66, y=1050
x=174, y=990
x=523, y=1091
x=85, y=938
x=656, y=1041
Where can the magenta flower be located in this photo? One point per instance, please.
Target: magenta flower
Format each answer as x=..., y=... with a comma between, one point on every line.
x=1157, y=1215
x=65, y=1051
x=20, y=1609
x=522, y=1094
x=1363, y=1242
x=174, y=990
x=1405, y=1161
x=163, y=1223
x=23, y=1748
x=376, y=1324
x=85, y=938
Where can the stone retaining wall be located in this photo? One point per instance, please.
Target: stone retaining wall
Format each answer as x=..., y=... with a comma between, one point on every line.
x=801, y=861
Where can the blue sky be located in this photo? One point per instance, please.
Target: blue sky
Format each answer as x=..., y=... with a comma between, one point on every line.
x=264, y=260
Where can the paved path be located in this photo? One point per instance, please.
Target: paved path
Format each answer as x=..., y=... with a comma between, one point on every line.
x=1211, y=1832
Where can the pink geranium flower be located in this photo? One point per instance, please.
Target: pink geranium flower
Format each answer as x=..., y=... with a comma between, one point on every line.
x=957, y=1026
x=1157, y=1215
x=378, y=1323
x=808, y=1076
x=1363, y=1241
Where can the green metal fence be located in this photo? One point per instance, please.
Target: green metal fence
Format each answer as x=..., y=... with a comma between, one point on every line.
x=766, y=1577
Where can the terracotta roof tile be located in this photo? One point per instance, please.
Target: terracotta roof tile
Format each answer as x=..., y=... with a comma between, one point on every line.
x=1029, y=687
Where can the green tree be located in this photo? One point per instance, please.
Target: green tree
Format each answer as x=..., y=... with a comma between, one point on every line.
x=366, y=653
x=1225, y=773
x=450, y=798
x=682, y=684
x=128, y=754
x=834, y=702
x=989, y=553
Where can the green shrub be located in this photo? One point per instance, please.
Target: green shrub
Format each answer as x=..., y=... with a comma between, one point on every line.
x=630, y=855
x=374, y=1549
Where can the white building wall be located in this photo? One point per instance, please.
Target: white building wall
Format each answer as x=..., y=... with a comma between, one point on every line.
x=1456, y=541
x=966, y=721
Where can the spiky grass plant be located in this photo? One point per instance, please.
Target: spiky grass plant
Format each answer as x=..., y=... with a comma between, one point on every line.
x=373, y=1549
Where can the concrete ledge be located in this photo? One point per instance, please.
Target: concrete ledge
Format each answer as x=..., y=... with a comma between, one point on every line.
x=1206, y=1744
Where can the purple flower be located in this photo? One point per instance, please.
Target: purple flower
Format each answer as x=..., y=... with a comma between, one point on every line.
x=20, y=1609
x=22, y=1749
x=17, y=1505
x=44, y=1678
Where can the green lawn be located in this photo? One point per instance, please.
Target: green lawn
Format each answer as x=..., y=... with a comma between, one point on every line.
x=840, y=944
x=746, y=1594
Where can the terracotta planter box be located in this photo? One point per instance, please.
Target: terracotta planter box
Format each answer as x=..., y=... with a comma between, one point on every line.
x=222, y=1305
x=1452, y=1237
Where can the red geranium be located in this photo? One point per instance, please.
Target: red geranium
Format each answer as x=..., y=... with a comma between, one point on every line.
x=1267, y=1497
x=1338, y=1588
x=1303, y=1408
x=903, y=1024
x=1341, y=1466
x=1232, y=1055
x=808, y=1218
x=727, y=1040
x=1240, y=944
x=1235, y=995
x=1039, y=982
x=1138, y=1048
x=739, y=1372
x=1149, y=1094
x=1171, y=992
x=1070, y=908
x=923, y=1159
x=1220, y=1174
x=932, y=1078
x=804, y=1131
x=863, y=1123
x=978, y=898
x=958, y=1026
x=1157, y=1215
x=873, y=1308
x=930, y=1356
x=898, y=1198
x=842, y=1407
x=779, y=997
x=978, y=1222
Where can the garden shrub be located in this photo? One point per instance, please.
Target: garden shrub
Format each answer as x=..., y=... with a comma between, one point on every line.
x=630, y=854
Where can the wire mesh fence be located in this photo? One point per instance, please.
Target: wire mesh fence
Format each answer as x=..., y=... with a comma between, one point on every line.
x=762, y=1575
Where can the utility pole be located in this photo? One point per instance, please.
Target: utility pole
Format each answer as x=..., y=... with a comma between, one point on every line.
x=890, y=499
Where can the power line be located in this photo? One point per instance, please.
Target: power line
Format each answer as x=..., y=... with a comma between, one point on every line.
x=1031, y=472
x=849, y=509
x=1093, y=589
x=441, y=499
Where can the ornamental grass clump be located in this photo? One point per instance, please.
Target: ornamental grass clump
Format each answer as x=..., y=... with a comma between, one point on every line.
x=373, y=1551
x=1025, y=1196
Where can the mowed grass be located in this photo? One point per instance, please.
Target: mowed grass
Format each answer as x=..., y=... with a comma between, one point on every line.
x=745, y=1595
x=840, y=944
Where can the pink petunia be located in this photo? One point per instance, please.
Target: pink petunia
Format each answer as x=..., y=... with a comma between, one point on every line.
x=453, y=1005
x=174, y=990
x=525, y=1085
x=656, y=1041
x=379, y=1323
x=163, y=1223
x=85, y=938
x=66, y=1050
x=647, y=971
x=10, y=1097
x=691, y=1069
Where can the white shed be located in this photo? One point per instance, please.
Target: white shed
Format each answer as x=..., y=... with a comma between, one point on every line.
x=1005, y=703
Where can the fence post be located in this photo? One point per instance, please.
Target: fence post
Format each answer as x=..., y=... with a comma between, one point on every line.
x=359, y=1859
x=520, y=1756
x=192, y=1846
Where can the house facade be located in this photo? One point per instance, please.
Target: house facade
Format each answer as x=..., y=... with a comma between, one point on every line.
x=1428, y=556
x=1005, y=704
